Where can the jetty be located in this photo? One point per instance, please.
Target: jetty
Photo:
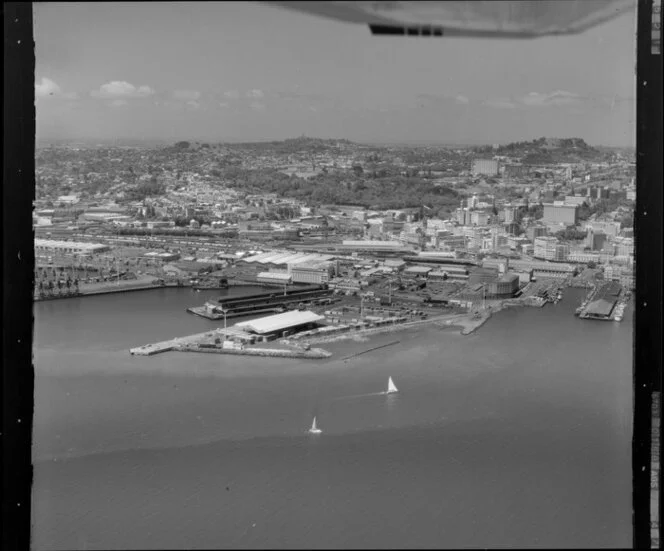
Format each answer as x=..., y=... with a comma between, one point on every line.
x=260, y=303
x=215, y=342
x=312, y=353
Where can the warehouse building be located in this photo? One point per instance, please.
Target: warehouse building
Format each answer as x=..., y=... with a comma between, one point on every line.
x=313, y=272
x=505, y=286
x=71, y=247
x=417, y=271
x=273, y=278
x=454, y=273
x=482, y=275
x=281, y=325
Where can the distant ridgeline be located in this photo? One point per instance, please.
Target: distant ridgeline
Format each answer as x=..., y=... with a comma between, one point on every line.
x=544, y=151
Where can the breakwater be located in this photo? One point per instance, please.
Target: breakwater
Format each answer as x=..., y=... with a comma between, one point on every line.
x=371, y=349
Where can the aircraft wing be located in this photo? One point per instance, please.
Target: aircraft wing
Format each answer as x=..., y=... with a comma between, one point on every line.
x=499, y=18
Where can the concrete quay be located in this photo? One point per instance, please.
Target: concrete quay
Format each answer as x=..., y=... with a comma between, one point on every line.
x=313, y=353
x=166, y=346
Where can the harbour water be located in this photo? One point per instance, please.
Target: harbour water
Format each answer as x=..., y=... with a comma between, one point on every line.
x=518, y=435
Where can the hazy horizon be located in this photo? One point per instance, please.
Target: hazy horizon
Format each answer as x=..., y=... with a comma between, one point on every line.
x=249, y=72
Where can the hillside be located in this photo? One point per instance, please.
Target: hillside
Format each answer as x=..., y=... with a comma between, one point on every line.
x=544, y=151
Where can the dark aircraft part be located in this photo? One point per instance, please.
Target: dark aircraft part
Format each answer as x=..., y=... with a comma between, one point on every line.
x=476, y=18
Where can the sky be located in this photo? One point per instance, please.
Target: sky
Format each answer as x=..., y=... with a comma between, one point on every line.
x=247, y=71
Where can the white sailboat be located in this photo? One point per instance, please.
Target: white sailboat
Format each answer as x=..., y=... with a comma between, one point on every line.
x=391, y=387
x=314, y=429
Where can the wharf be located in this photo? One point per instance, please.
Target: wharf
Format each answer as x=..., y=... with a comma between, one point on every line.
x=204, y=313
x=602, y=303
x=313, y=353
x=260, y=303
x=166, y=346
x=111, y=289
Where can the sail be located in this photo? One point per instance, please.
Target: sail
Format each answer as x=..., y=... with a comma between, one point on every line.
x=314, y=429
x=391, y=387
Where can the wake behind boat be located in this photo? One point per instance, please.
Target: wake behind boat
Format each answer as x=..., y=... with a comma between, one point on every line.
x=314, y=429
x=391, y=387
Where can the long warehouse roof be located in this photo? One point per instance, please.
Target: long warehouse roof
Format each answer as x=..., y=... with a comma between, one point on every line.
x=279, y=322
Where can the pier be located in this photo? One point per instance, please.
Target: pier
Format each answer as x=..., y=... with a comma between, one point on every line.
x=260, y=303
x=600, y=304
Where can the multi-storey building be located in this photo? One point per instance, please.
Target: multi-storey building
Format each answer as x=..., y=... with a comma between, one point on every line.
x=533, y=232
x=488, y=167
x=609, y=228
x=545, y=247
x=317, y=273
x=479, y=218
x=511, y=214
x=595, y=240
x=559, y=212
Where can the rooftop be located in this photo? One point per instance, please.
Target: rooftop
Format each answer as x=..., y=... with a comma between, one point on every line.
x=280, y=322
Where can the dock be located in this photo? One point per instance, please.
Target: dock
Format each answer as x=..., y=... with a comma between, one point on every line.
x=172, y=344
x=602, y=303
x=313, y=353
x=259, y=303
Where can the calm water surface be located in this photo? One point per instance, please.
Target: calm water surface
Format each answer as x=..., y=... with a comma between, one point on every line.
x=518, y=435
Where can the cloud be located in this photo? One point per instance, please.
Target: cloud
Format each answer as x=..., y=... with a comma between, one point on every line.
x=462, y=99
x=186, y=95
x=255, y=93
x=257, y=106
x=118, y=103
x=121, y=89
x=559, y=97
x=47, y=88
x=193, y=104
x=232, y=94
x=500, y=103
x=224, y=104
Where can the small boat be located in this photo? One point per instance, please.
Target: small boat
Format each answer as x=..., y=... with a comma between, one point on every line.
x=314, y=429
x=391, y=387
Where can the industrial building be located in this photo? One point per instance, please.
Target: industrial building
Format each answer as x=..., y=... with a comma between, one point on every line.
x=457, y=273
x=283, y=260
x=71, y=247
x=505, y=286
x=281, y=325
x=560, y=213
x=543, y=269
x=313, y=272
x=417, y=271
x=277, y=278
x=479, y=276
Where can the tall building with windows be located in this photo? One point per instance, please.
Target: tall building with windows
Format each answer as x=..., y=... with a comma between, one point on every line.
x=545, y=248
x=511, y=214
x=486, y=167
x=595, y=240
x=559, y=212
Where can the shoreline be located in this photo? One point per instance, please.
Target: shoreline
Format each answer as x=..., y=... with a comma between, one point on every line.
x=112, y=290
x=466, y=322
